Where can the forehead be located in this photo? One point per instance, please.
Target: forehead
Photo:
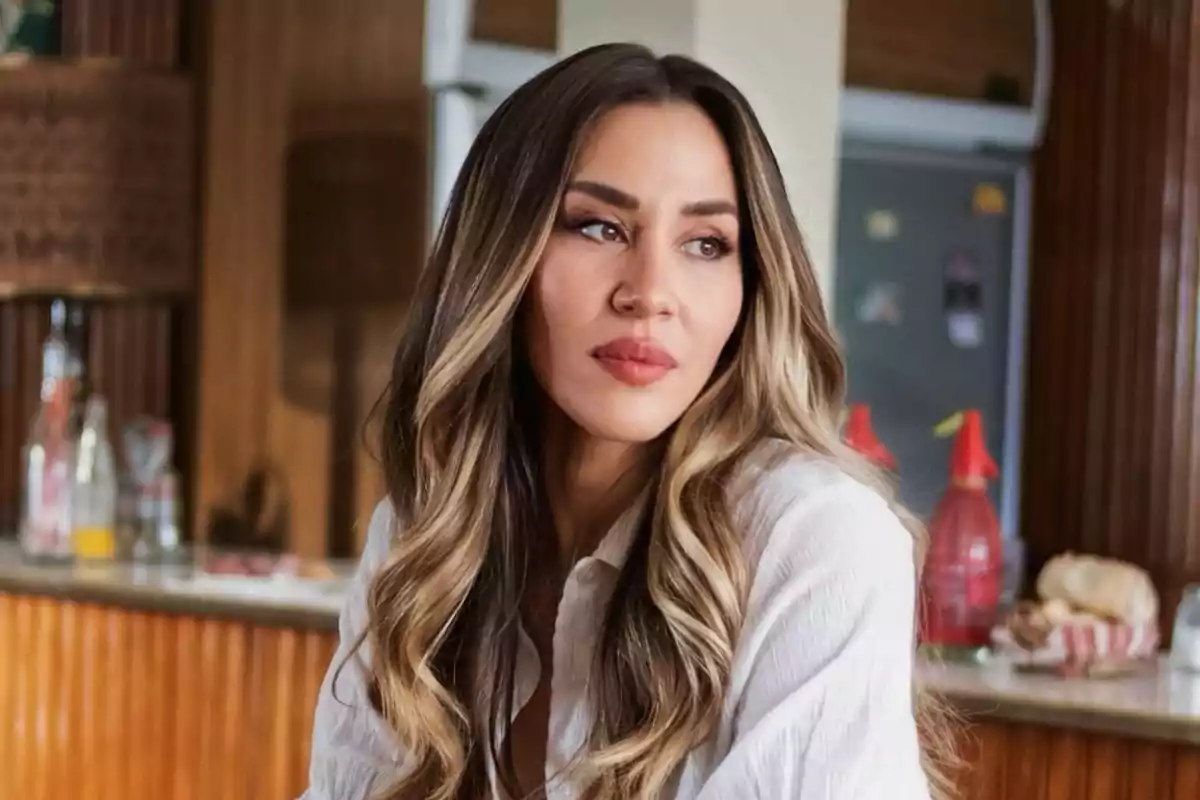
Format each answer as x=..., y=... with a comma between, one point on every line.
x=660, y=149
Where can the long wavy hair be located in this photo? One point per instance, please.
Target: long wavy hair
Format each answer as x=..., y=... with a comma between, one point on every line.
x=462, y=457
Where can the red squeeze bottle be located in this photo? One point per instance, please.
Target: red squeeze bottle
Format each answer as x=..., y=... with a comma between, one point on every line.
x=860, y=436
x=960, y=583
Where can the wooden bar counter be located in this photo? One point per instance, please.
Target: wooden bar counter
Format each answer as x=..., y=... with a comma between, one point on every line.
x=1039, y=737
x=122, y=683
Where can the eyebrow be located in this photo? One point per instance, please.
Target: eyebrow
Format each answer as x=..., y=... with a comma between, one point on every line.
x=623, y=200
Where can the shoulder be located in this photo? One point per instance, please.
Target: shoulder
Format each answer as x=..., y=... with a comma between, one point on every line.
x=381, y=532
x=805, y=513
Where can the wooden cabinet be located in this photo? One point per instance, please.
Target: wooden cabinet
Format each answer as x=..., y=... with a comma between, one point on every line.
x=528, y=23
x=109, y=703
x=112, y=703
x=1012, y=761
x=948, y=48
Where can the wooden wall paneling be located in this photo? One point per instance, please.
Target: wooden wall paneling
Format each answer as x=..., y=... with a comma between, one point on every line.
x=1080, y=361
x=1127, y=226
x=1111, y=444
x=1184, y=516
x=240, y=278
x=300, y=306
x=355, y=242
x=939, y=47
x=130, y=360
x=1046, y=367
x=1153, y=20
x=22, y=328
x=1170, y=418
x=144, y=31
x=528, y=23
x=1092, y=331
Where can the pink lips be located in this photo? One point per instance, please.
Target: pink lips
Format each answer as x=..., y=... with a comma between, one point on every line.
x=636, y=362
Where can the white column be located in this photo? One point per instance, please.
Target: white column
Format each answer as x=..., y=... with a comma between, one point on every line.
x=784, y=55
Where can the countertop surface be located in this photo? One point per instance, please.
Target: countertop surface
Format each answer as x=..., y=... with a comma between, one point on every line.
x=1157, y=703
x=180, y=588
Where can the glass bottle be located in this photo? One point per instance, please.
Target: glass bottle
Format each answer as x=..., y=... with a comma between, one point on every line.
x=75, y=366
x=1185, y=640
x=962, y=575
x=47, y=458
x=56, y=353
x=94, y=487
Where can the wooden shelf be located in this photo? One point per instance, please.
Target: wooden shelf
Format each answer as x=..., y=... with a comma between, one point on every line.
x=97, y=179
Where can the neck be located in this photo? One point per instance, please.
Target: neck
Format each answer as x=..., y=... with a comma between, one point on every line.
x=590, y=482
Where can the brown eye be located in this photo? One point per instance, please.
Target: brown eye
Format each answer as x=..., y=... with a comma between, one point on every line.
x=708, y=248
x=603, y=232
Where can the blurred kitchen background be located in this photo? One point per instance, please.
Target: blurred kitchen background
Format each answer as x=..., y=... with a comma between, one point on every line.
x=212, y=214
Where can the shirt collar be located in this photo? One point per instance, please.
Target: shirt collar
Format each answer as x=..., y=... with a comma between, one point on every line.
x=615, y=546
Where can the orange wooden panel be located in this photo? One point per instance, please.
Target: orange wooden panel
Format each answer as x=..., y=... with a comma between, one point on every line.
x=1030, y=762
x=108, y=703
x=115, y=704
x=1066, y=763
x=8, y=687
x=1187, y=773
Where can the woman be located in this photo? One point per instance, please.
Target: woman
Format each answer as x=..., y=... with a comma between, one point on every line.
x=622, y=555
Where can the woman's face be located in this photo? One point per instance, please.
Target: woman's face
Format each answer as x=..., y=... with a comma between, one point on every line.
x=640, y=286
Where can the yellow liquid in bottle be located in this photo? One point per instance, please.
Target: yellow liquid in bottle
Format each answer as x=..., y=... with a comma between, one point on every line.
x=95, y=542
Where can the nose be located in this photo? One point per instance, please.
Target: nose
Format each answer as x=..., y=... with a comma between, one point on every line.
x=644, y=290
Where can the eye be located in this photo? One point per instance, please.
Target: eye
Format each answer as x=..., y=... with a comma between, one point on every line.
x=709, y=248
x=600, y=231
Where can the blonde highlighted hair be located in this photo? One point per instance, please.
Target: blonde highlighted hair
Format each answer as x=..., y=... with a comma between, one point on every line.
x=461, y=456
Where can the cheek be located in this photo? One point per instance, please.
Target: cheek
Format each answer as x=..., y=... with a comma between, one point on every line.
x=561, y=299
x=560, y=305
x=715, y=312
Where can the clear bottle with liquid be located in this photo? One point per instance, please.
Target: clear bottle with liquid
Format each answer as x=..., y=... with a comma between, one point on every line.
x=94, y=488
x=1185, y=641
x=56, y=355
x=48, y=458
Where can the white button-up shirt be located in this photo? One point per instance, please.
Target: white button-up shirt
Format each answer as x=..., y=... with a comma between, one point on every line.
x=819, y=705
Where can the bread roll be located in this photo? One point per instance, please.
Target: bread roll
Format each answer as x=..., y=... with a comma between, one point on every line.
x=1101, y=586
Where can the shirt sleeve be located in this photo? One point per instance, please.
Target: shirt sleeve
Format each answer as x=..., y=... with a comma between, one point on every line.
x=823, y=692
x=354, y=752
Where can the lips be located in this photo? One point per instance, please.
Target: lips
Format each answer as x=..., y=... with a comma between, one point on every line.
x=635, y=362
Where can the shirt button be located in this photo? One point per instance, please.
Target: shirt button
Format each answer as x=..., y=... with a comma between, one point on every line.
x=586, y=572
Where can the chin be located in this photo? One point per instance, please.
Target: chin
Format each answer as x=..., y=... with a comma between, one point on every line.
x=630, y=423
